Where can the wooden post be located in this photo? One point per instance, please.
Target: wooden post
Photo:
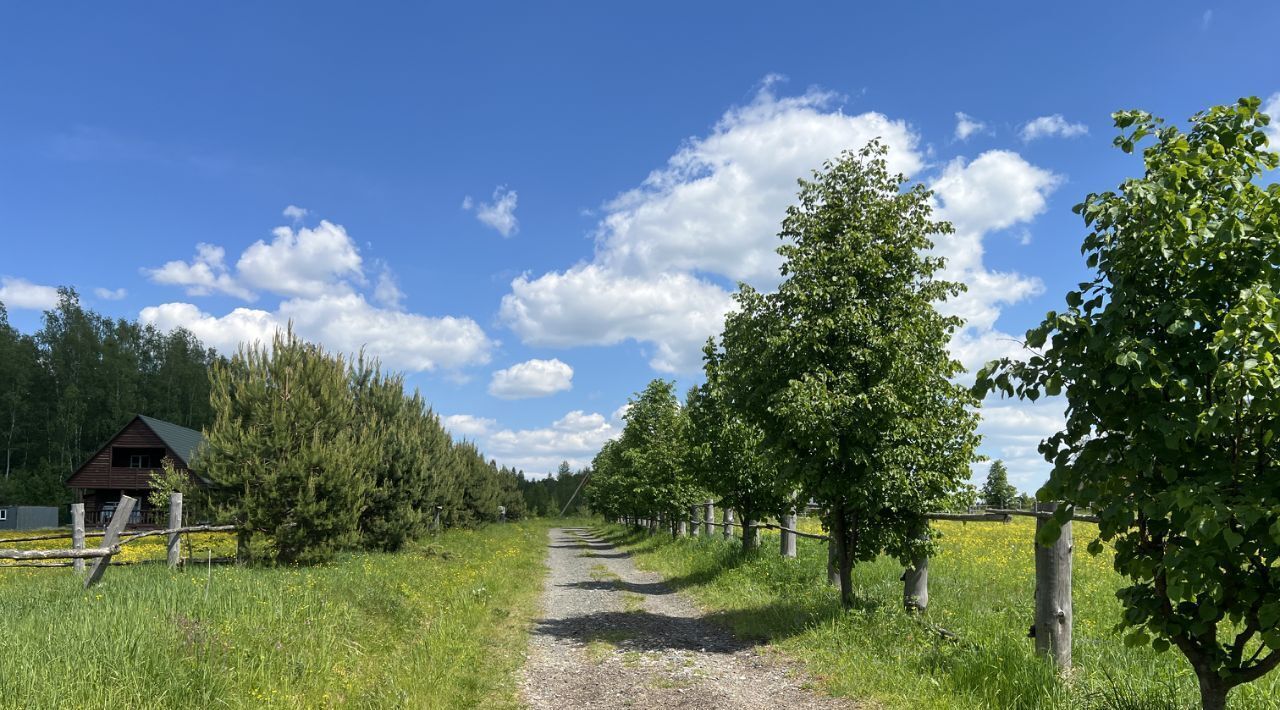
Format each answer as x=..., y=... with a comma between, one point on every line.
x=119, y=519
x=788, y=547
x=693, y=521
x=833, y=567
x=726, y=517
x=682, y=526
x=708, y=517
x=1052, y=628
x=175, y=522
x=77, y=534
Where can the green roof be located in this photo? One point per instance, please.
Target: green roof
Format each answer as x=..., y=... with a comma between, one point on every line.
x=182, y=441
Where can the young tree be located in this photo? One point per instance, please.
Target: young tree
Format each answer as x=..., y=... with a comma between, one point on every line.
x=997, y=492
x=1170, y=359
x=727, y=454
x=845, y=368
x=653, y=452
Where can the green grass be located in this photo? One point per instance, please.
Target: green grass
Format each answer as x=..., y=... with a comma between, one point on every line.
x=981, y=588
x=417, y=628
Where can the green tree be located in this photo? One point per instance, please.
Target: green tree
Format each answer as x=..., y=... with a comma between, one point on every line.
x=1170, y=359
x=653, y=451
x=850, y=379
x=727, y=454
x=997, y=492
x=286, y=452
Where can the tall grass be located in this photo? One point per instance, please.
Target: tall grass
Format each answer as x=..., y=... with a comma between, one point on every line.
x=981, y=589
x=439, y=625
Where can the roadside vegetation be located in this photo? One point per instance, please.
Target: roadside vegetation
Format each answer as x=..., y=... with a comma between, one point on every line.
x=440, y=624
x=980, y=588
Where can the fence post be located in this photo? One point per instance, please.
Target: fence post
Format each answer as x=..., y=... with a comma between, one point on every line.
x=726, y=517
x=788, y=547
x=693, y=521
x=119, y=519
x=1053, y=620
x=175, y=522
x=77, y=534
x=708, y=518
x=915, y=584
x=833, y=568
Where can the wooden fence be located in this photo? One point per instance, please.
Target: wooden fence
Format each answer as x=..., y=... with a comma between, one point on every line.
x=1052, y=625
x=113, y=538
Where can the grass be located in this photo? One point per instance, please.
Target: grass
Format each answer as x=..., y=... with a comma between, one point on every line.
x=981, y=587
x=416, y=628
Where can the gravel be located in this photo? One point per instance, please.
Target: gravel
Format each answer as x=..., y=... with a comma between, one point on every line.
x=614, y=636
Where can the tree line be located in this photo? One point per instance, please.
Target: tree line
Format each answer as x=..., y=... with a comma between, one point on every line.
x=549, y=496
x=838, y=388
x=71, y=385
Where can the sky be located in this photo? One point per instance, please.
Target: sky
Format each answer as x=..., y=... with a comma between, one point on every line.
x=532, y=209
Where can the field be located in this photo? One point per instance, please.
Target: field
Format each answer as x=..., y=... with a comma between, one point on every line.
x=980, y=587
x=439, y=625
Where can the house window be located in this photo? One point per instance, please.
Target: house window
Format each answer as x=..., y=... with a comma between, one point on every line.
x=136, y=457
x=4, y=514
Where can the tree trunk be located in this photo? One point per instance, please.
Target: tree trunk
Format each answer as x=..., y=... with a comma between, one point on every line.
x=242, y=547
x=844, y=560
x=1213, y=690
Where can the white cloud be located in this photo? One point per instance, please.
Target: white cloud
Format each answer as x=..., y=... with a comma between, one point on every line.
x=206, y=274
x=1055, y=125
x=997, y=190
x=499, y=214
x=108, y=294
x=295, y=213
x=714, y=209
x=20, y=293
x=532, y=378
x=593, y=305
x=1272, y=108
x=467, y=425
x=1012, y=431
x=575, y=437
x=387, y=292
x=345, y=323
x=1206, y=19
x=306, y=262
x=967, y=125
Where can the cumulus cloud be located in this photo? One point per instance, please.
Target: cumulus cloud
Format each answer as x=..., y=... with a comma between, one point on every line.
x=1012, y=431
x=387, y=292
x=967, y=125
x=1272, y=108
x=532, y=378
x=295, y=213
x=342, y=322
x=19, y=293
x=305, y=262
x=204, y=275
x=108, y=294
x=1049, y=126
x=712, y=210
x=499, y=214
x=575, y=437
x=467, y=425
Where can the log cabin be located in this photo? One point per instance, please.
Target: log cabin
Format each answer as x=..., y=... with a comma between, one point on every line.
x=124, y=466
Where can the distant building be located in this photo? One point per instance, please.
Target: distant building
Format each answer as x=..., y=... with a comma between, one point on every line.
x=123, y=466
x=28, y=517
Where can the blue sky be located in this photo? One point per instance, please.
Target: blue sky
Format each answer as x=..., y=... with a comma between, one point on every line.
x=535, y=208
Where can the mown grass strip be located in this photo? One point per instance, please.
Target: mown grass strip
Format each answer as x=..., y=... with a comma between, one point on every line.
x=981, y=588
x=442, y=624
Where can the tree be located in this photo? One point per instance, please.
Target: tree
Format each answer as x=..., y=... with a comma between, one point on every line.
x=1170, y=360
x=653, y=451
x=997, y=492
x=845, y=368
x=727, y=453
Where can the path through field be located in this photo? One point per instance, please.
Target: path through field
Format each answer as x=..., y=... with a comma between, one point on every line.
x=613, y=636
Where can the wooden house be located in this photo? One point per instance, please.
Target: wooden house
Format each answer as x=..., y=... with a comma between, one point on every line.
x=124, y=466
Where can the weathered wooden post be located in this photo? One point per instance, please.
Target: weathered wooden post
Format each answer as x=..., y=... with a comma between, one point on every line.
x=77, y=534
x=694, y=519
x=726, y=517
x=119, y=519
x=788, y=522
x=708, y=518
x=1052, y=628
x=915, y=584
x=175, y=522
x=833, y=566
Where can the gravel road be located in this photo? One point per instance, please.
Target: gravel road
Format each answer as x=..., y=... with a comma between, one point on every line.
x=613, y=636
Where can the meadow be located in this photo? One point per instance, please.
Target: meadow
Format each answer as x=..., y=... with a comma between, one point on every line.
x=981, y=588
x=441, y=624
